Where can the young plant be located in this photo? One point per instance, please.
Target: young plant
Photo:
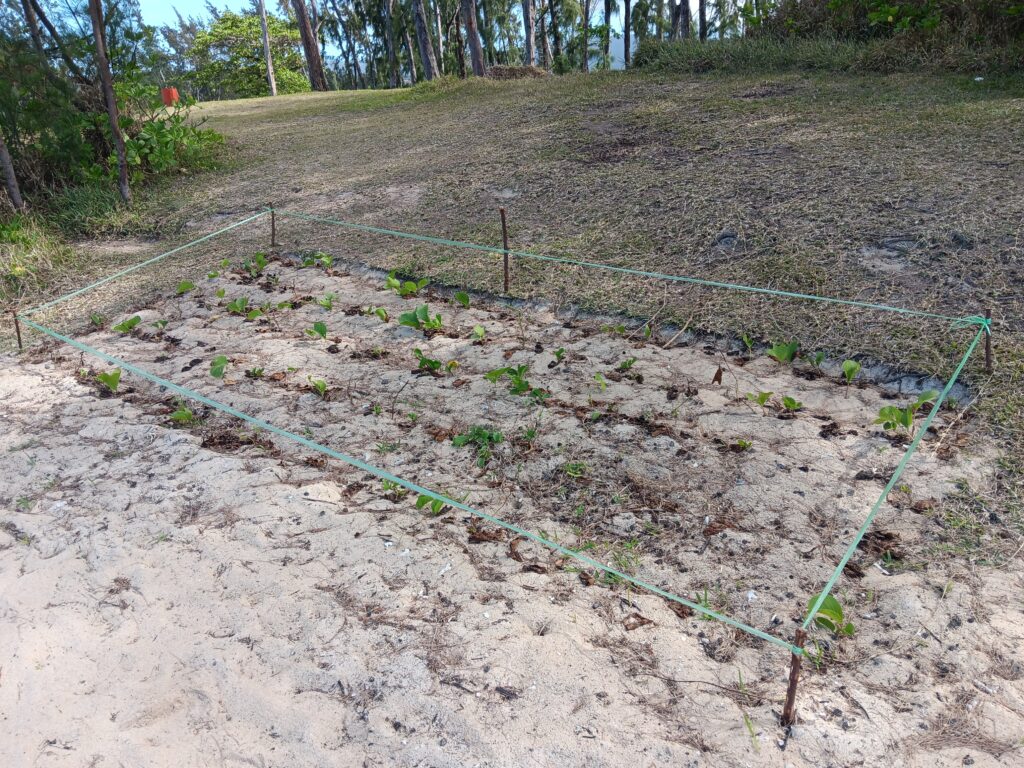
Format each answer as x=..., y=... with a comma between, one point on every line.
x=127, y=326
x=254, y=373
x=318, y=331
x=830, y=617
x=405, y=288
x=256, y=264
x=319, y=386
x=791, y=405
x=239, y=306
x=183, y=416
x=893, y=418
x=462, y=298
x=420, y=319
x=429, y=364
x=159, y=324
x=818, y=359
x=614, y=330
x=481, y=437
x=518, y=385
x=110, y=379
x=437, y=507
x=479, y=332
x=97, y=319
x=743, y=445
x=184, y=287
x=576, y=469
x=626, y=365
x=220, y=362
x=327, y=301
x=761, y=398
x=601, y=382
x=784, y=352
x=393, y=489
x=850, y=370
x=380, y=312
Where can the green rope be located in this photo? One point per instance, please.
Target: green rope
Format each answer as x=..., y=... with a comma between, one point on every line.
x=612, y=268
x=985, y=324
x=146, y=263
x=385, y=475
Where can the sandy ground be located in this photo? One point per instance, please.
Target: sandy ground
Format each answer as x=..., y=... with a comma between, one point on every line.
x=202, y=595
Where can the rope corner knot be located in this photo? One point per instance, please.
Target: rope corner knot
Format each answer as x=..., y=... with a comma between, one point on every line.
x=967, y=322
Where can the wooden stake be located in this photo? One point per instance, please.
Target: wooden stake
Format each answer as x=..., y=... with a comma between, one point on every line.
x=504, y=240
x=988, y=344
x=273, y=228
x=789, y=711
x=17, y=328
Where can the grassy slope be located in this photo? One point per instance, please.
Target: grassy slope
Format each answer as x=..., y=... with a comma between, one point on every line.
x=806, y=171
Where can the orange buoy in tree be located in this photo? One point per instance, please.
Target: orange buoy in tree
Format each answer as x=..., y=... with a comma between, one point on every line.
x=170, y=96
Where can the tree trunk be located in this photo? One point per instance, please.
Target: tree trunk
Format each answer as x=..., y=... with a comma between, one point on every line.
x=440, y=38
x=702, y=16
x=389, y=40
x=271, y=80
x=412, y=56
x=545, y=51
x=419, y=17
x=315, y=64
x=107, y=85
x=73, y=68
x=476, y=50
x=607, y=42
x=530, y=47
x=585, y=54
x=626, y=24
x=556, y=35
x=33, y=27
x=10, y=179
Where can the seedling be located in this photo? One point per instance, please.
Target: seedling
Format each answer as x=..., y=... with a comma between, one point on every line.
x=327, y=301
x=626, y=365
x=892, y=417
x=319, y=386
x=380, y=312
x=213, y=274
x=437, y=507
x=559, y=354
x=478, y=333
x=97, y=319
x=614, y=330
x=483, y=438
x=462, y=298
x=111, y=380
x=748, y=343
x=220, y=362
x=830, y=617
x=818, y=359
x=784, y=352
x=256, y=264
x=220, y=293
x=319, y=330
x=850, y=369
x=601, y=382
x=576, y=469
x=161, y=324
x=184, y=287
x=183, y=415
x=254, y=373
x=405, y=288
x=252, y=314
x=387, y=447
x=239, y=306
x=427, y=363
x=321, y=260
x=744, y=445
x=391, y=488
x=127, y=326
x=420, y=319
x=791, y=405
x=761, y=398
x=518, y=382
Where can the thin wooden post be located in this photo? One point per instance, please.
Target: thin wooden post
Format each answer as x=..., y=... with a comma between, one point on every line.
x=988, y=343
x=789, y=710
x=504, y=240
x=273, y=228
x=17, y=329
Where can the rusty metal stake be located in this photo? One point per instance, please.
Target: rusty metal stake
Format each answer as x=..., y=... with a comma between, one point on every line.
x=273, y=228
x=988, y=343
x=789, y=710
x=17, y=328
x=504, y=240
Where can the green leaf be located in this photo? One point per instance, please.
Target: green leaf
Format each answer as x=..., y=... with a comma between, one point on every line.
x=463, y=298
x=217, y=366
x=850, y=369
x=784, y=352
x=128, y=325
x=184, y=287
x=111, y=380
x=319, y=329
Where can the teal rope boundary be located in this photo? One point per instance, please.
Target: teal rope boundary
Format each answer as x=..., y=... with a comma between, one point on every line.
x=140, y=265
x=613, y=268
x=385, y=475
x=985, y=328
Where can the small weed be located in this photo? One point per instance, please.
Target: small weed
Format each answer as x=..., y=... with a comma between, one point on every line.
x=437, y=507
x=748, y=343
x=318, y=331
x=481, y=437
x=576, y=469
x=256, y=264
x=432, y=365
x=327, y=301
x=220, y=293
x=559, y=354
x=127, y=326
x=376, y=409
x=818, y=359
x=159, y=324
x=322, y=260
x=704, y=602
x=784, y=352
x=626, y=365
x=220, y=362
x=184, y=287
x=405, y=288
x=111, y=380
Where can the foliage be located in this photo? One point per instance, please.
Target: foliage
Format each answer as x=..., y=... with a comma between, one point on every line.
x=893, y=417
x=127, y=326
x=217, y=366
x=784, y=351
x=481, y=437
x=420, y=319
x=431, y=365
x=518, y=383
x=462, y=298
x=830, y=616
x=791, y=404
x=184, y=287
x=318, y=331
x=761, y=398
x=407, y=288
x=850, y=370
x=110, y=379
x=319, y=386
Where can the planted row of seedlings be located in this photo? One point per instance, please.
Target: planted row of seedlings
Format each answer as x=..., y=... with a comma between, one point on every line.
x=571, y=484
